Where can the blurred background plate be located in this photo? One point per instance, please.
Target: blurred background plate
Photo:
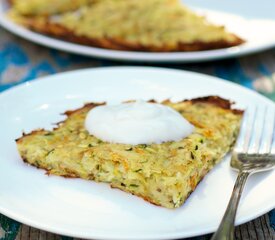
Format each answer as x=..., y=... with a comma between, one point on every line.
x=251, y=21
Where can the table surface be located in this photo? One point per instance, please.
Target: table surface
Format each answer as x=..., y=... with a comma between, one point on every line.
x=23, y=61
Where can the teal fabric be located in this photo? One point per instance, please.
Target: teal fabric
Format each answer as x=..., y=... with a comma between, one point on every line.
x=272, y=218
x=9, y=227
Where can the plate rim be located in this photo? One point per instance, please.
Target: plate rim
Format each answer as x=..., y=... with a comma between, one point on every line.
x=134, y=68
x=89, y=51
x=29, y=222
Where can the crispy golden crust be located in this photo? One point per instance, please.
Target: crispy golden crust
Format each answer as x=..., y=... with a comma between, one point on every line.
x=219, y=102
x=61, y=32
x=37, y=131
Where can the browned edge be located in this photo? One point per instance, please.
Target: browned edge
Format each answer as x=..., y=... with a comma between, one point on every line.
x=61, y=32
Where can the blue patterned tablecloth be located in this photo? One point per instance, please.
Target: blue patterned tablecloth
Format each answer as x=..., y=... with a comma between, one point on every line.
x=21, y=61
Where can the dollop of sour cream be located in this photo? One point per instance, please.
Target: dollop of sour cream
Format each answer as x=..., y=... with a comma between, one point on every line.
x=137, y=123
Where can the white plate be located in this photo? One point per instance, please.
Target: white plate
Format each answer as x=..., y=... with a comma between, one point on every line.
x=93, y=210
x=257, y=33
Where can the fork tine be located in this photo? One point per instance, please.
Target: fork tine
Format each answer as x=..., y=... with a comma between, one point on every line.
x=268, y=132
x=249, y=128
x=258, y=130
x=245, y=130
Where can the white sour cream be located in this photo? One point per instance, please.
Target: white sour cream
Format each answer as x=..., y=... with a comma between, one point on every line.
x=137, y=123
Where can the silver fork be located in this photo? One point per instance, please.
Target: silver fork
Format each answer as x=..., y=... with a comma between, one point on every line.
x=253, y=152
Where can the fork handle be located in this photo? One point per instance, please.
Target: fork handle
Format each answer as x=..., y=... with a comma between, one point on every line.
x=226, y=228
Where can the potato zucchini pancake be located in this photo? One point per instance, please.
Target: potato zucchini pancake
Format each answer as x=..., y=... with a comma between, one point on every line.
x=164, y=174
x=135, y=25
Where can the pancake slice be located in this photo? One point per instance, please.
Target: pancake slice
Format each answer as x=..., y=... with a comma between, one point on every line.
x=134, y=25
x=163, y=174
